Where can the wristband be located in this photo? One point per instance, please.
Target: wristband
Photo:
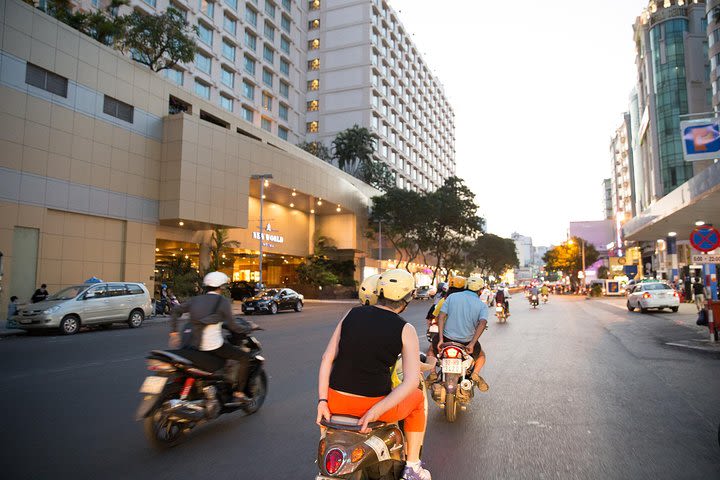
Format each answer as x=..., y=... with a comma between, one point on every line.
x=322, y=400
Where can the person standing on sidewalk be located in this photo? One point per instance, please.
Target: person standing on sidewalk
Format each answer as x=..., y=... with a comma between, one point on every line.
x=699, y=293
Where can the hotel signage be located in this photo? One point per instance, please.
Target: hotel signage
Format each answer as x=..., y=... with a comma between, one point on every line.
x=268, y=236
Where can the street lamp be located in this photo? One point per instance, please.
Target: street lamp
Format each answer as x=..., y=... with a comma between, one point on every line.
x=264, y=179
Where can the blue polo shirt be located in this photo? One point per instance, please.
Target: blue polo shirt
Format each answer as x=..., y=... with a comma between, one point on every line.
x=464, y=312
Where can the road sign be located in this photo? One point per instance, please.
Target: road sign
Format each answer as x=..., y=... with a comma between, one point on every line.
x=705, y=238
x=701, y=139
x=705, y=258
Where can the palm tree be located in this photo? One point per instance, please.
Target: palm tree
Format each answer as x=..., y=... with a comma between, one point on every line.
x=219, y=243
x=353, y=149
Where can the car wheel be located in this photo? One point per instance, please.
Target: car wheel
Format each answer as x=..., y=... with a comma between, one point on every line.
x=298, y=306
x=643, y=310
x=630, y=307
x=273, y=308
x=136, y=318
x=674, y=309
x=70, y=325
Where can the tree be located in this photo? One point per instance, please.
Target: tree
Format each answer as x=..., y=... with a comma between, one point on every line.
x=493, y=255
x=183, y=278
x=219, y=243
x=320, y=269
x=319, y=149
x=353, y=149
x=568, y=257
x=104, y=25
x=159, y=41
x=603, y=272
x=378, y=174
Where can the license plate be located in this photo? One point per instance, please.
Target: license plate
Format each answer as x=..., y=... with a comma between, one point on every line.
x=153, y=385
x=322, y=477
x=499, y=309
x=249, y=309
x=25, y=320
x=452, y=365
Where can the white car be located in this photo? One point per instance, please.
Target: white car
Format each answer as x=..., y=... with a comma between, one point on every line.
x=653, y=295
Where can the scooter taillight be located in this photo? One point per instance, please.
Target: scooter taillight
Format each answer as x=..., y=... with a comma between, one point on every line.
x=452, y=352
x=158, y=366
x=334, y=460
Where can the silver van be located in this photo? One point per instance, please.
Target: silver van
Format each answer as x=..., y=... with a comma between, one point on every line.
x=89, y=304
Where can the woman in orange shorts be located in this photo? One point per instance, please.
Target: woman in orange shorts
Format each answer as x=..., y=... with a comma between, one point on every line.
x=355, y=372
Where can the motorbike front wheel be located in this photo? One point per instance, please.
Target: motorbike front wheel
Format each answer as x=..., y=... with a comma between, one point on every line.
x=450, y=407
x=160, y=432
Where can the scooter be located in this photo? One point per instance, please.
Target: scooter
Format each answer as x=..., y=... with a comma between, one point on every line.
x=534, y=301
x=545, y=298
x=500, y=313
x=453, y=389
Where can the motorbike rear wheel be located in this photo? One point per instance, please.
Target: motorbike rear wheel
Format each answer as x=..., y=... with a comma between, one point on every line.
x=256, y=391
x=450, y=407
x=160, y=432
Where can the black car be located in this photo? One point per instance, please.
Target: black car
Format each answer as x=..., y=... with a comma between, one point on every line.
x=272, y=300
x=242, y=290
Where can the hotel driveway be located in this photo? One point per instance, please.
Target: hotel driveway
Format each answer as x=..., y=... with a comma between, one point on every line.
x=578, y=389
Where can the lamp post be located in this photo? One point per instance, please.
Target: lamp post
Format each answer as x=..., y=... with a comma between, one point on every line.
x=263, y=177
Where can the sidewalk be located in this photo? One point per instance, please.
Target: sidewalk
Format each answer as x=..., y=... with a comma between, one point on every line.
x=685, y=317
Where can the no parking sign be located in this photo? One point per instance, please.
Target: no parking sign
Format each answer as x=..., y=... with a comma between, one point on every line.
x=705, y=238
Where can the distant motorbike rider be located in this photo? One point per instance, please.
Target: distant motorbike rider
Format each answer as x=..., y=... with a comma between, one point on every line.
x=208, y=313
x=544, y=290
x=456, y=283
x=462, y=319
x=355, y=372
x=502, y=298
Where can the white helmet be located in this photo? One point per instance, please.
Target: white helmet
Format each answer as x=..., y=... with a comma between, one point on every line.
x=475, y=283
x=215, y=279
x=368, y=290
x=395, y=284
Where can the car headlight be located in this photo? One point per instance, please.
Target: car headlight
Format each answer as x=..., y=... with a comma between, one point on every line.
x=52, y=309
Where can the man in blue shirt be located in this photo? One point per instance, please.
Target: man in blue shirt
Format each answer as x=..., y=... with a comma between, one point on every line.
x=462, y=319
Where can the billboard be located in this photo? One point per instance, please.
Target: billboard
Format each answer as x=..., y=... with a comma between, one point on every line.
x=700, y=139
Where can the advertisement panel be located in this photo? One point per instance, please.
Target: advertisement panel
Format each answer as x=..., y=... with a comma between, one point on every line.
x=700, y=139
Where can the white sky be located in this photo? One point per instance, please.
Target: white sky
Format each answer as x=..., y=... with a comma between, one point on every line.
x=538, y=89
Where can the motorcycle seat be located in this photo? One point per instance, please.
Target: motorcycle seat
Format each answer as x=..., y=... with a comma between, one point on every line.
x=348, y=423
x=205, y=363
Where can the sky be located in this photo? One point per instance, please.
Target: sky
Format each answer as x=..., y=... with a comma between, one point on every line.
x=538, y=89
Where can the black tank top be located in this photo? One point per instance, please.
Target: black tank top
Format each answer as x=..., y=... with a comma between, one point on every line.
x=370, y=341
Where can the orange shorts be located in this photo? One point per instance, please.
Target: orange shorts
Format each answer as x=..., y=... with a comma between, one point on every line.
x=411, y=408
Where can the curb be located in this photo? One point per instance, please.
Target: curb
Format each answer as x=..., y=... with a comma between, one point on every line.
x=11, y=333
x=697, y=345
x=349, y=300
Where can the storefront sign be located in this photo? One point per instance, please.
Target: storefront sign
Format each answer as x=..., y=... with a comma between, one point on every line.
x=705, y=259
x=268, y=236
x=701, y=139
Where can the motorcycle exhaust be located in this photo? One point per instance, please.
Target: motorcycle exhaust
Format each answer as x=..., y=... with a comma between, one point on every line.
x=466, y=385
x=187, y=411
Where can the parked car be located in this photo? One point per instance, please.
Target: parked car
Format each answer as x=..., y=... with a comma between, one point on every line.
x=242, y=290
x=273, y=300
x=90, y=304
x=422, y=293
x=653, y=295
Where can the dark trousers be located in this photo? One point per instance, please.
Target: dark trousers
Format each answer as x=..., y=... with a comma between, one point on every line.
x=230, y=352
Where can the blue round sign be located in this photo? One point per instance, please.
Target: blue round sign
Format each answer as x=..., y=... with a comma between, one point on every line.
x=705, y=238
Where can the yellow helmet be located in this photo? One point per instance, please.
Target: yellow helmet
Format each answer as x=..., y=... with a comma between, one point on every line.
x=395, y=284
x=368, y=290
x=456, y=281
x=475, y=283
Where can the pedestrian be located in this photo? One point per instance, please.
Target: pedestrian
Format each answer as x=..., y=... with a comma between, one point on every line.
x=40, y=294
x=11, y=312
x=699, y=293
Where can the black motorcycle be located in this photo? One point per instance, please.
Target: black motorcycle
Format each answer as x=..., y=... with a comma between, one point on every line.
x=190, y=387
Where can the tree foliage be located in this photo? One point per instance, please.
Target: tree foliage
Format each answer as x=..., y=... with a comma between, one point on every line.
x=568, y=257
x=493, y=255
x=219, y=244
x=353, y=149
x=319, y=149
x=321, y=269
x=183, y=278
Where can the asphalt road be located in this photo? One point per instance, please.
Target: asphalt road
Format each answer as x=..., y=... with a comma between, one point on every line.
x=578, y=389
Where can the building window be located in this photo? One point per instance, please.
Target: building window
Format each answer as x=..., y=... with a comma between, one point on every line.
x=313, y=24
x=313, y=85
x=232, y=4
x=249, y=65
x=314, y=44
x=247, y=114
x=287, y=4
x=314, y=64
x=314, y=4
x=312, y=127
x=203, y=63
x=285, y=44
x=284, y=66
x=230, y=25
x=202, y=89
x=283, y=133
x=250, y=41
x=267, y=77
x=205, y=33
x=268, y=54
x=206, y=7
x=46, y=80
x=181, y=9
x=175, y=76
x=313, y=106
x=283, y=111
x=118, y=109
x=285, y=23
x=269, y=32
x=226, y=103
x=269, y=9
x=266, y=124
x=285, y=89
x=248, y=90
x=228, y=50
x=267, y=100
x=250, y=16
x=227, y=77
